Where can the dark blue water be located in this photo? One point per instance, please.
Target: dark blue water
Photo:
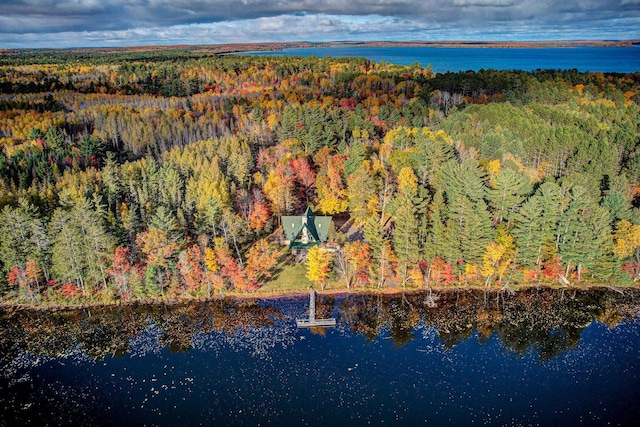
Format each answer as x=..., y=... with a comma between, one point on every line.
x=595, y=59
x=412, y=370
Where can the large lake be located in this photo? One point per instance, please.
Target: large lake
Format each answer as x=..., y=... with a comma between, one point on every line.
x=538, y=357
x=442, y=59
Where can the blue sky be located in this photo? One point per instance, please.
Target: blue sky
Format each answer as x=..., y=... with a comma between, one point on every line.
x=85, y=23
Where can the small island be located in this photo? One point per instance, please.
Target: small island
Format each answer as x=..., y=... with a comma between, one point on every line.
x=177, y=173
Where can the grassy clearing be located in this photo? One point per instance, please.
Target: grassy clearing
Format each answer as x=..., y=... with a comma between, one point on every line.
x=289, y=277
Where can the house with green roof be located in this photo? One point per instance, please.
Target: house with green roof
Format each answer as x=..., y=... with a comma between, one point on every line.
x=305, y=231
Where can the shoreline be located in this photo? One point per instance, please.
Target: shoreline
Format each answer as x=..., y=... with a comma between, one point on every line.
x=168, y=302
x=234, y=48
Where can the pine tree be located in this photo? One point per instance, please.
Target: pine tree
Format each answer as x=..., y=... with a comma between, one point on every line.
x=506, y=194
x=479, y=234
x=436, y=231
x=434, y=151
x=536, y=224
x=23, y=236
x=584, y=235
x=531, y=238
x=468, y=231
x=381, y=253
x=405, y=230
x=357, y=154
x=461, y=180
x=80, y=247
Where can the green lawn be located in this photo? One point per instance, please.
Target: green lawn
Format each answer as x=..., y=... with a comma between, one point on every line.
x=288, y=277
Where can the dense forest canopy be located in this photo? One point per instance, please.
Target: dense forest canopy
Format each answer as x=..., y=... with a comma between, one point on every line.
x=145, y=173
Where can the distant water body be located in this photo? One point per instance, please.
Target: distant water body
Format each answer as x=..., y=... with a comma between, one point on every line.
x=443, y=59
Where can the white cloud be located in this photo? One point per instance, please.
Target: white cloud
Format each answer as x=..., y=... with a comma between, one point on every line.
x=485, y=3
x=122, y=22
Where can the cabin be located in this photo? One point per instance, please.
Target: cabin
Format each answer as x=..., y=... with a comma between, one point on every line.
x=305, y=231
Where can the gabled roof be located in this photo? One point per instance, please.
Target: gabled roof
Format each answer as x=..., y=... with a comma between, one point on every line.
x=317, y=226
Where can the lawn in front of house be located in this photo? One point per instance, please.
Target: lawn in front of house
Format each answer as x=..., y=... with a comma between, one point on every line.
x=288, y=277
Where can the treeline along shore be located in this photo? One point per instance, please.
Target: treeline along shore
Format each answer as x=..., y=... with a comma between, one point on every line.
x=164, y=174
x=41, y=55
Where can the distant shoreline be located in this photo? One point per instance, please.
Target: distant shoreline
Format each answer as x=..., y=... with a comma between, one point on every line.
x=231, y=48
x=477, y=44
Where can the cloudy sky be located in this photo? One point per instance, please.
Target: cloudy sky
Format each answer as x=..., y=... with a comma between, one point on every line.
x=80, y=23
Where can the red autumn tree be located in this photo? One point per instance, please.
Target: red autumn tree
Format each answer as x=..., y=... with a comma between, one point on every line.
x=120, y=271
x=552, y=268
x=632, y=267
x=442, y=272
x=305, y=178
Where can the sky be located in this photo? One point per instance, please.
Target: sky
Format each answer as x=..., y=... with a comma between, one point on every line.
x=101, y=23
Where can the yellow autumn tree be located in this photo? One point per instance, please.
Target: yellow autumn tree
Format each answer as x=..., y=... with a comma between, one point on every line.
x=318, y=261
x=213, y=276
x=494, y=169
x=407, y=181
x=332, y=194
x=627, y=238
x=499, y=256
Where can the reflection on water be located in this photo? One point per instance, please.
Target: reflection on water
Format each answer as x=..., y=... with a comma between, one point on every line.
x=460, y=357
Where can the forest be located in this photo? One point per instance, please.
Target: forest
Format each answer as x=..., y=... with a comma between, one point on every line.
x=140, y=174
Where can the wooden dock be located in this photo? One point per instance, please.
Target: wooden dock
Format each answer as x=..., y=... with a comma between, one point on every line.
x=312, y=322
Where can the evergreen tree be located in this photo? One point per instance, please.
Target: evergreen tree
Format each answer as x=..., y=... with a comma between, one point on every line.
x=434, y=150
x=536, y=224
x=531, y=237
x=80, y=247
x=584, y=234
x=357, y=153
x=468, y=231
x=405, y=230
x=507, y=192
x=381, y=252
x=435, y=243
x=23, y=236
x=461, y=180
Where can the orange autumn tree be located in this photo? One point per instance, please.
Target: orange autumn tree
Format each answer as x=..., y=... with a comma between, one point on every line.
x=305, y=178
x=157, y=245
x=25, y=280
x=261, y=259
x=230, y=269
x=259, y=215
x=358, y=255
x=441, y=272
x=190, y=264
x=278, y=188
